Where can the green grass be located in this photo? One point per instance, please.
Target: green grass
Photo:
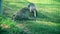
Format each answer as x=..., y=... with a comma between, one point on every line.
x=47, y=21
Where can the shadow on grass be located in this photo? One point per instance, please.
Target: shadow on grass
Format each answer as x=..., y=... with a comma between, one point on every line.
x=57, y=0
x=41, y=16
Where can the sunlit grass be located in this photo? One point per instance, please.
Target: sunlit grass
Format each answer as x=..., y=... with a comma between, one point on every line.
x=42, y=24
x=44, y=1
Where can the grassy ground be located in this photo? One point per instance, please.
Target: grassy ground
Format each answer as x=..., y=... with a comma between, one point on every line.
x=47, y=21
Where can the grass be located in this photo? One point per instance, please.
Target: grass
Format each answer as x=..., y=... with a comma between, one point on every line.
x=47, y=21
